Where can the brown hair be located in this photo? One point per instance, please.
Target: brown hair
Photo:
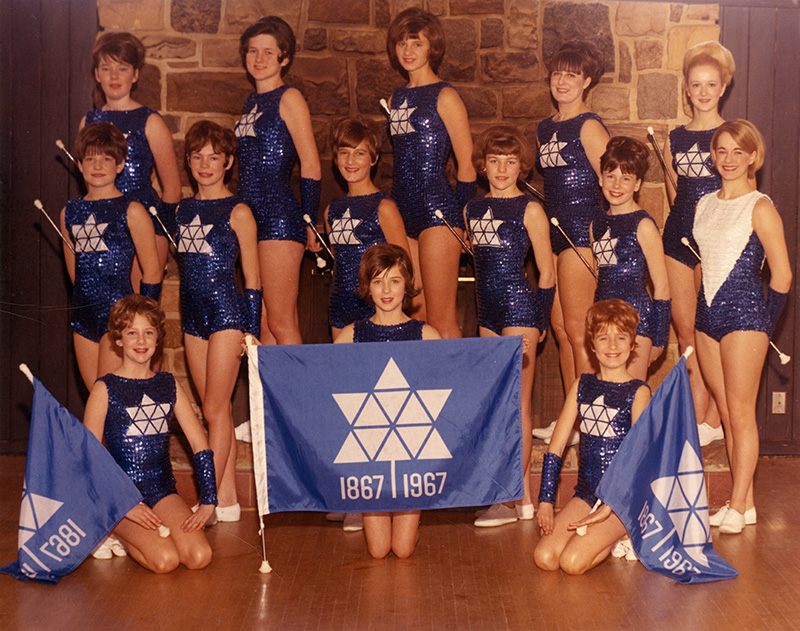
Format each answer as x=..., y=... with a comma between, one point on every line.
x=580, y=57
x=379, y=258
x=101, y=139
x=126, y=309
x=747, y=136
x=121, y=47
x=607, y=312
x=409, y=24
x=502, y=140
x=279, y=29
x=629, y=154
x=352, y=131
x=204, y=132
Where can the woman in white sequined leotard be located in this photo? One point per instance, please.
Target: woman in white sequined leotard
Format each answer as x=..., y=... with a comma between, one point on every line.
x=736, y=228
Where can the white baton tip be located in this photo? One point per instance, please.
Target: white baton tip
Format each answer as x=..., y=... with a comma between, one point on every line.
x=650, y=130
x=163, y=531
x=265, y=567
x=554, y=221
x=321, y=262
x=59, y=144
x=438, y=213
x=152, y=210
x=38, y=204
x=685, y=241
x=307, y=219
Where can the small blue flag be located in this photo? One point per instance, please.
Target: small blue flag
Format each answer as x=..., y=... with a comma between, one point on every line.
x=656, y=486
x=385, y=427
x=74, y=494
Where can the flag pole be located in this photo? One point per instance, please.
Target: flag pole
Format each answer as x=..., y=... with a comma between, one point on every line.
x=27, y=372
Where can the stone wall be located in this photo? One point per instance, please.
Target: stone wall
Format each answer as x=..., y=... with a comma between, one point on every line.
x=496, y=56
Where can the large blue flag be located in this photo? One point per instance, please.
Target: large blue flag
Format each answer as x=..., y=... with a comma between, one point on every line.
x=383, y=427
x=656, y=486
x=74, y=494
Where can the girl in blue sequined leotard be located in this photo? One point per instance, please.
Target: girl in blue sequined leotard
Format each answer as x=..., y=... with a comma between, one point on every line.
x=386, y=280
x=707, y=70
x=214, y=230
x=131, y=409
x=427, y=120
x=570, y=146
x=627, y=249
x=364, y=217
x=118, y=58
x=503, y=226
x=106, y=230
x=607, y=404
x=736, y=228
x=273, y=132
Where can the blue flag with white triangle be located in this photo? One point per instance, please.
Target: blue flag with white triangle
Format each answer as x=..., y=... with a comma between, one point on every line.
x=74, y=494
x=384, y=427
x=656, y=486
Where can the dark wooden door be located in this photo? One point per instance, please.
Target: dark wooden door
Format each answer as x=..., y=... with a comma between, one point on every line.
x=45, y=88
x=765, y=41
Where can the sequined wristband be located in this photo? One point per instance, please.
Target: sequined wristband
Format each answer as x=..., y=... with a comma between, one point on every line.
x=546, y=296
x=659, y=323
x=252, y=312
x=309, y=197
x=775, y=302
x=465, y=191
x=551, y=468
x=204, y=468
x=150, y=290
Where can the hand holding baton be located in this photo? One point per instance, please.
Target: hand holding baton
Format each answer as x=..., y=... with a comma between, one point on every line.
x=320, y=261
x=152, y=210
x=783, y=357
x=554, y=221
x=652, y=135
x=38, y=205
x=463, y=243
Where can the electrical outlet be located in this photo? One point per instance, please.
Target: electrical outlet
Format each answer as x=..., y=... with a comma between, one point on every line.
x=779, y=403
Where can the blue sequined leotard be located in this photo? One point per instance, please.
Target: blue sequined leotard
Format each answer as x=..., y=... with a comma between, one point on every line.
x=354, y=228
x=421, y=148
x=137, y=431
x=572, y=190
x=135, y=177
x=621, y=264
x=266, y=157
x=368, y=331
x=207, y=252
x=731, y=295
x=104, y=254
x=501, y=242
x=605, y=412
x=691, y=159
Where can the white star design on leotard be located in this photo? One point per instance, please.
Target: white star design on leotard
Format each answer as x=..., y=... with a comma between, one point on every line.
x=692, y=163
x=605, y=250
x=343, y=230
x=192, y=237
x=484, y=230
x=399, y=119
x=246, y=124
x=549, y=153
x=596, y=418
x=148, y=418
x=89, y=236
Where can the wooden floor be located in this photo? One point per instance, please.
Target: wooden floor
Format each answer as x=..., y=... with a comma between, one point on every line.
x=459, y=578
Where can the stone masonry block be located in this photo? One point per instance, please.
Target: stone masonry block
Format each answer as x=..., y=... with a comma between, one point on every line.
x=130, y=15
x=491, y=33
x=213, y=92
x=531, y=101
x=648, y=54
x=480, y=102
x=681, y=38
x=657, y=96
x=509, y=67
x=460, y=61
x=196, y=16
x=323, y=82
x=375, y=80
x=611, y=103
x=240, y=14
x=169, y=47
x=638, y=19
x=471, y=7
x=355, y=11
x=565, y=21
x=355, y=41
